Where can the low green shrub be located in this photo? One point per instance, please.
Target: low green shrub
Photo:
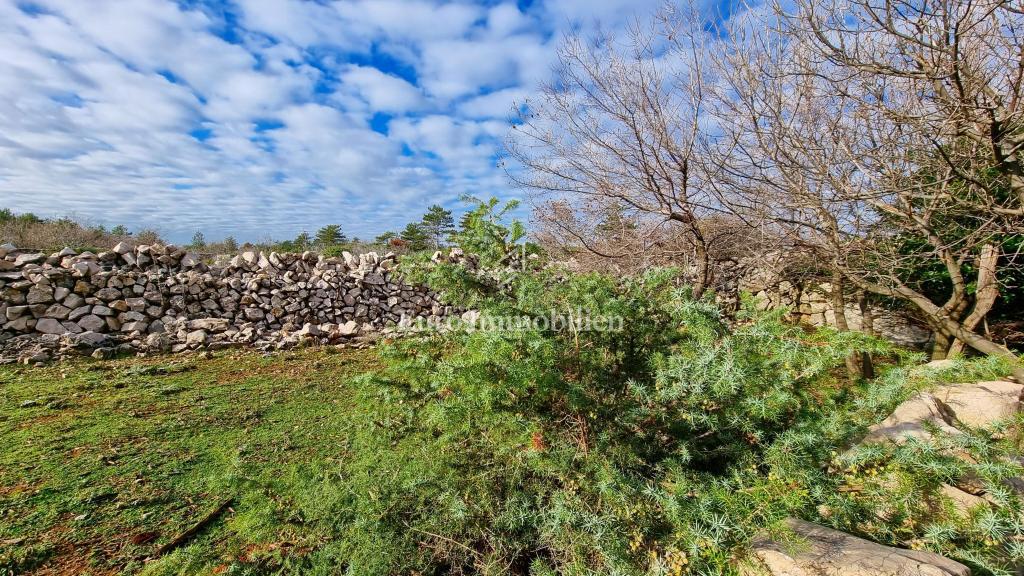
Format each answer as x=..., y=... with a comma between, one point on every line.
x=662, y=447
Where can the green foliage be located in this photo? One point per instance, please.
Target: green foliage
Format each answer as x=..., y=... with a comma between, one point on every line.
x=494, y=245
x=438, y=224
x=894, y=495
x=303, y=241
x=120, y=230
x=659, y=444
x=415, y=236
x=198, y=241
x=330, y=235
x=29, y=218
x=658, y=448
x=333, y=251
x=385, y=237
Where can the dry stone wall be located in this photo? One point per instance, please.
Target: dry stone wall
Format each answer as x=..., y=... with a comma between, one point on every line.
x=156, y=297
x=809, y=303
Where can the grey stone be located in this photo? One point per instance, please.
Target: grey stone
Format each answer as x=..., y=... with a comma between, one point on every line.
x=58, y=311
x=827, y=552
x=136, y=304
x=196, y=338
x=308, y=330
x=90, y=339
x=72, y=327
x=92, y=323
x=135, y=326
x=15, y=312
x=31, y=258
x=209, y=324
x=50, y=326
x=131, y=316
x=348, y=328
x=108, y=294
x=73, y=301
x=19, y=324
x=79, y=312
x=161, y=342
x=40, y=295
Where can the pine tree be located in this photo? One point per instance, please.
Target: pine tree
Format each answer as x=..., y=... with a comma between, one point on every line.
x=230, y=245
x=198, y=241
x=330, y=235
x=438, y=224
x=416, y=236
x=385, y=237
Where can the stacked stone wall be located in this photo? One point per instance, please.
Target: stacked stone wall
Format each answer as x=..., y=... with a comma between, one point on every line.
x=163, y=297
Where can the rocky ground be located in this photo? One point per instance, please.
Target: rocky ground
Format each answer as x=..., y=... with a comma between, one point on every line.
x=950, y=408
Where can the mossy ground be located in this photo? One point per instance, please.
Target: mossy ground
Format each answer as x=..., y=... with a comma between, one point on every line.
x=103, y=462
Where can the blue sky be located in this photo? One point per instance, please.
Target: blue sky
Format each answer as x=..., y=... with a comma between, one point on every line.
x=261, y=118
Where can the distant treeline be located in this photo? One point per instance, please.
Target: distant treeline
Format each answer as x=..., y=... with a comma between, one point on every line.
x=28, y=230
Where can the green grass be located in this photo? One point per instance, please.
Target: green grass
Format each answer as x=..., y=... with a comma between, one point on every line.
x=103, y=462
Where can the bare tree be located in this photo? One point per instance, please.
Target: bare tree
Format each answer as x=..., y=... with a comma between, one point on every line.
x=881, y=137
x=884, y=136
x=619, y=131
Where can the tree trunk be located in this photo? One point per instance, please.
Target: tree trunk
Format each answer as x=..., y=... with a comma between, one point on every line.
x=946, y=327
x=984, y=345
x=940, y=347
x=703, y=280
x=839, y=311
x=986, y=294
x=867, y=326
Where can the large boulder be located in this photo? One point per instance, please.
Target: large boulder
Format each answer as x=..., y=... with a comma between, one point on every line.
x=912, y=418
x=827, y=552
x=981, y=403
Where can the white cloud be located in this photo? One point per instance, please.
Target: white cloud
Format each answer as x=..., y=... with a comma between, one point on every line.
x=301, y=22
x=381, y=92
x=163, y=114
x=498, y=104
x=413, y=21
x=454, y=68
x=505, y=19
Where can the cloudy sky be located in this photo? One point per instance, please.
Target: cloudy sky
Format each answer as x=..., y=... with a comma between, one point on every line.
x=261, y=118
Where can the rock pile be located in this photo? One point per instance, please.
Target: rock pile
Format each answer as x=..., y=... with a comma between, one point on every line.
x=808, y=299
x=949, y=408
x=156, y=297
